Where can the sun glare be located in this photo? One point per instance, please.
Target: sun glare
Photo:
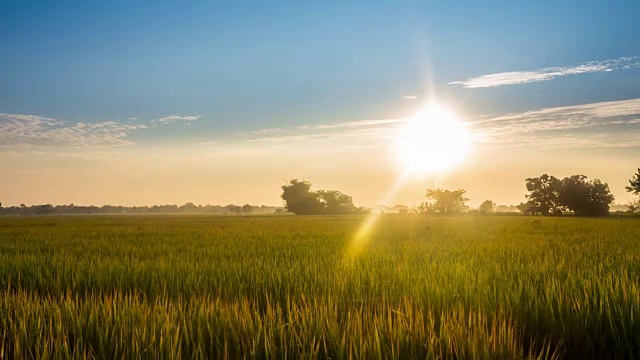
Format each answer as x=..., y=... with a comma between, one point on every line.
x=433, y=141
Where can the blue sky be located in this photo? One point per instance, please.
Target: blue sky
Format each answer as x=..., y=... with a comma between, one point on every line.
x=232, y=69
x=245, y=63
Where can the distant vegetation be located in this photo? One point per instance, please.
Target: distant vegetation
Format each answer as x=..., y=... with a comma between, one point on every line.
x=444, y=202
x=547, y=195
x=188, y=208
x=487, y=207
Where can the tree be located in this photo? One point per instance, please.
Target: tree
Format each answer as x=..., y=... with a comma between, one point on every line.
x=425, y=208
x=634, y=188
x=445, y=202
x=247, y=209
x=487, y=207
x=526, y=208
x=544, y=194
x=188, y=208
x=44, y=209
x=335, y=202
x=585, y=198
x=299, y=199
x=634, y=184
x=233, y=209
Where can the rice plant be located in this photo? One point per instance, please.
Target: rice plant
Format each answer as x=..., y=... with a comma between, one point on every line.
x=288, y=287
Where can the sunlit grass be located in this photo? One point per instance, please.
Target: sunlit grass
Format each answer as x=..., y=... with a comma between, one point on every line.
x=204, y=287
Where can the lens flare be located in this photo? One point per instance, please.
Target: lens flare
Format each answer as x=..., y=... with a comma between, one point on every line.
x=433, y=141
x=363, y=235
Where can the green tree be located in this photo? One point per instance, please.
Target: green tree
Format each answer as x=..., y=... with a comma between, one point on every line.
x=585, y=198
x=445, y=202
x=634, y=188
x=425, y=208
x=634, y=206
x=634, y=184
x=335, y=202
x=527, y=208
x=299, y=199
x=544, y=194
x=247, y=209
x=487, y=207
x=233, y=209
x=188, y=207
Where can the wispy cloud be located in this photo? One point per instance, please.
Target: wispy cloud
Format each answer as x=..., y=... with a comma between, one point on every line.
x=20, y=131
x=410, y=97
x=267, y=131
x=351, y=124
x=267, y=134
x=550, y=73
x=604, y=124
x=177, y=118
x=335, y=137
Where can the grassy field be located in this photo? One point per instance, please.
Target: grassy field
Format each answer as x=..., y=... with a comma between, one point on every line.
x=416, y=287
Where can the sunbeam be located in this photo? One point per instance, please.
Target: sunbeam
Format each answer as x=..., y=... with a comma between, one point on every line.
x=363, y=235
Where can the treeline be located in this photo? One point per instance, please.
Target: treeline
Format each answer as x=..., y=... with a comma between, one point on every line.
x=547, y=195
x=188, y=208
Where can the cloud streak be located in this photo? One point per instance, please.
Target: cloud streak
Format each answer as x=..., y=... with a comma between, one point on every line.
x=177, y=118
x=546, y=74
x=604, y=124
x=351, y=124
x=20, y=131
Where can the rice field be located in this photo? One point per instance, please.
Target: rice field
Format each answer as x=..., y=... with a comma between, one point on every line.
x=161, y=287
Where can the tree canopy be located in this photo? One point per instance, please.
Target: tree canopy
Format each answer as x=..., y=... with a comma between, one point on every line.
x=544, y=193
x=445, y=202
x=585, y=198
x=487, y=207
x=526, y=208
x=549, y=195
x=634, y=188
x=247, y=209
x=634, y=184
x=335, y=202
x=300, y=200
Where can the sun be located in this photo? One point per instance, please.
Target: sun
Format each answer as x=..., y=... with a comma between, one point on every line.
x=433, y=141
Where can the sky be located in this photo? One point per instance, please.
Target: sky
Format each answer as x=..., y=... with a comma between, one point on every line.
x=218, y=102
